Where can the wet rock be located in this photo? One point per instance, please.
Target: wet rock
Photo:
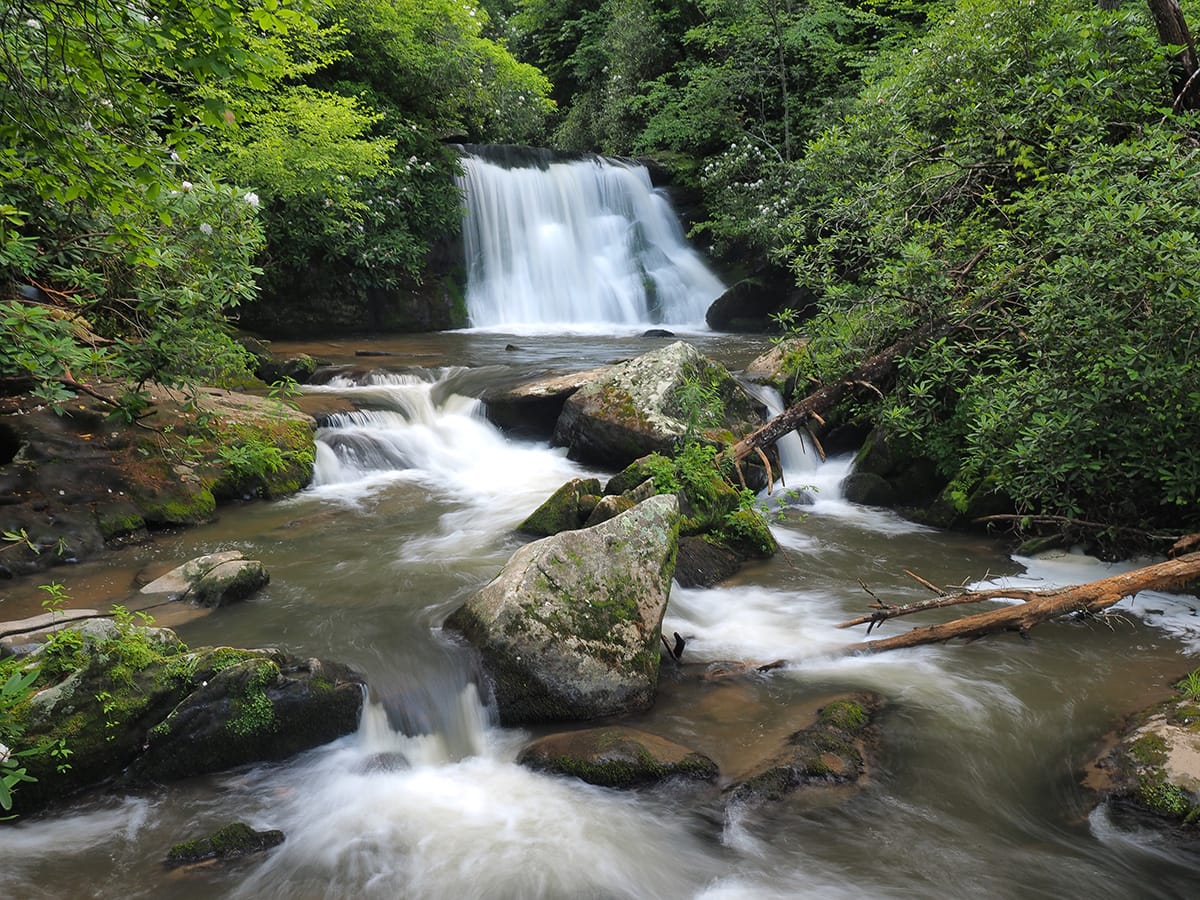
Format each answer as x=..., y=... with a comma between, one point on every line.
x=263, y=706
x=80, y=481
x=747, y=306
x=640, y=407
x=217, y=579
x=569, y=630
x=772, y=369
x=869, y=489
x=534, y=406
x=658, y=333
x=912, y=479
x=230, y=842
x=134, y=701
x=704, y=562
x=616, y=757
x=607, y=508
x=836, y=749
x=1152, y=767
x=566, y=509
x=299, y=369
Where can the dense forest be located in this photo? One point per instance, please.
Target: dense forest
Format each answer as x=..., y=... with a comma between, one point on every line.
x=1020, y=177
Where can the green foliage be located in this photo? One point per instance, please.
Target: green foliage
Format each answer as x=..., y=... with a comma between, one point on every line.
x=1189, y=685
x=1017, y=165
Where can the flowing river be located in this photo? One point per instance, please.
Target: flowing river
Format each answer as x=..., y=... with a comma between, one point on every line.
x=413, y=507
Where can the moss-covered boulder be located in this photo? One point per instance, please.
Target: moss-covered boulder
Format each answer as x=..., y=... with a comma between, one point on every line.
x=775, y=368
x=123, y=700
x=836, y=749
x=230, y=842
x=616, y=756
x=263, y=706
x=570, y=628
x=566, y=509
x=722, y=528
x=647, y=404
x=1153, y=765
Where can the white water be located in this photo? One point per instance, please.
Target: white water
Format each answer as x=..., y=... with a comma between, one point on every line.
x=586, y=245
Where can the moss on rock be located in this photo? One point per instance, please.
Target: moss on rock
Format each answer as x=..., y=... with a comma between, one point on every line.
x=234, y=840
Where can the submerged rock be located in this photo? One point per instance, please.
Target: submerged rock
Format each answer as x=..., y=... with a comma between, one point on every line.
x=1153, y=765
x=616, y=757
x=641, y=407
x=230, y=842
x=836, y=749
x=569, y=629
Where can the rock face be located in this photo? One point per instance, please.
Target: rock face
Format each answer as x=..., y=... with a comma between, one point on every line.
x=771, y=368
x=834, y=750
x=640, y=407
x=135, y=701
x=616, y=757
x=1154, y=765
x=217, y=579
x=569, y=630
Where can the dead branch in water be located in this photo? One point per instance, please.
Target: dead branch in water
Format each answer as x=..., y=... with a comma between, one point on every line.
x=1038, y=606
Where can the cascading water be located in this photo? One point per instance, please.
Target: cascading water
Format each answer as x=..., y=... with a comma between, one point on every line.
x=585, y=244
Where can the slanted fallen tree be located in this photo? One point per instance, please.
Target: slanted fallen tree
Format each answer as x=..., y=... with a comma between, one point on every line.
x=1038, y=605
x=874, y=375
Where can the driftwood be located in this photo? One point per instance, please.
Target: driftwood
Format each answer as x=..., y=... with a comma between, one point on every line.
x=1038, y=605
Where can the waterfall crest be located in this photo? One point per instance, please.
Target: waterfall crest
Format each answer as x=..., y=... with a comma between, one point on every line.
x=583, y=244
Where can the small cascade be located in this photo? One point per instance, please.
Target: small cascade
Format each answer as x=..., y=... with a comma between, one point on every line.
x=583, y=244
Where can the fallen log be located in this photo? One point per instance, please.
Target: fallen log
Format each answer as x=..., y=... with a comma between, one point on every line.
x=1038, y=605
x=873, y=375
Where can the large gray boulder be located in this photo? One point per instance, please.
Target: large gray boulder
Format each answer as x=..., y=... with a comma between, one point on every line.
x=642, y=407
x=570, y=628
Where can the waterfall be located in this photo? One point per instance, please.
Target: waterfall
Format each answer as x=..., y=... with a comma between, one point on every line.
x=580, y=245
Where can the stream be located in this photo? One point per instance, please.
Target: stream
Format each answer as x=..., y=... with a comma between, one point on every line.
x=413, y=507
x=976, y=793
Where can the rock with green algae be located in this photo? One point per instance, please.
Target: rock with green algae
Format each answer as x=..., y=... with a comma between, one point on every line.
x=834, y=750
x=566, y=509
x=1153, y=765
x=718, y=531
x=616, y=756
x=234, y=840
x=642, y=406
x=123, y=697
x=570, y=628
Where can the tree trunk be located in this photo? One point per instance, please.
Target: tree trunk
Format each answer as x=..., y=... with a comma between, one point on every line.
x=874, y=374
x=1038, y=606
x=1173, y=31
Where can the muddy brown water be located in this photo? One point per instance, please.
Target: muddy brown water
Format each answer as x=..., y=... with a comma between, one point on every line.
x=976, y=793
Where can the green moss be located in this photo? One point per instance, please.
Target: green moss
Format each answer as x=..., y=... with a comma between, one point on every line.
x=180, y=509
x=746, y=531
x=1149, y=750
x=252, y=714
x=233, y=840
x=117, y=524
x=846, y=715
x=1160, y=796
